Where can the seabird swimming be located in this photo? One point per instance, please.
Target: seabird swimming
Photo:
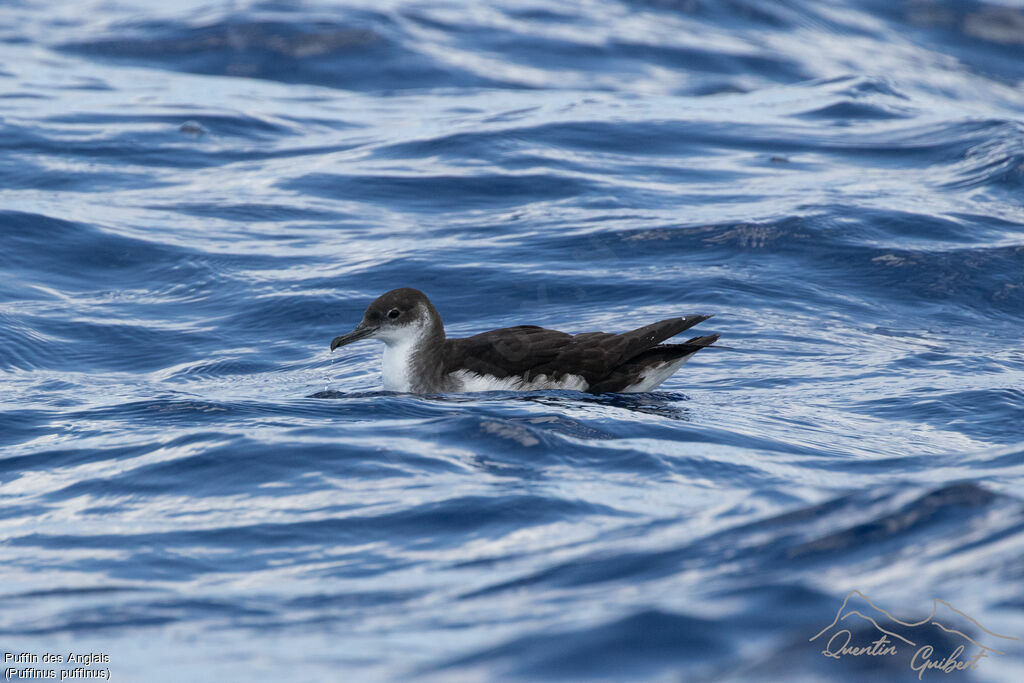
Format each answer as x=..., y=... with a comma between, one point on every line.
x=418, y=358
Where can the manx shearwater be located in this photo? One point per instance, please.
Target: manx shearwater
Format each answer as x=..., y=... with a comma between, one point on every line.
x=418, y=358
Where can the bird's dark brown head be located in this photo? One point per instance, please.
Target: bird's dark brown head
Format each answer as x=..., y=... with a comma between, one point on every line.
x=395, y=317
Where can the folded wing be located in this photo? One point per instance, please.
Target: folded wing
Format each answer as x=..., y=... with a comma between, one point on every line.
x=529, y=351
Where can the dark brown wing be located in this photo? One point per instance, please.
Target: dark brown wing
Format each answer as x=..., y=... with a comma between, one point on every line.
x=529, y=351
x=505, y=352
x=631, y=371
x=595, y=355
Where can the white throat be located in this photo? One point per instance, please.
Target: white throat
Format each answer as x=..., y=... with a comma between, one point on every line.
x=398, y=353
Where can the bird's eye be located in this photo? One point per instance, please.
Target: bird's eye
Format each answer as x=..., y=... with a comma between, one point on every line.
x=394, y=313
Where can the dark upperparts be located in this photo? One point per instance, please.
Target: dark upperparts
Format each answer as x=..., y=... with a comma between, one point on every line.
x=603, y=359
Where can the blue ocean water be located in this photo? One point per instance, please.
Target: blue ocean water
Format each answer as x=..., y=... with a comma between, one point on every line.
x=196, y=197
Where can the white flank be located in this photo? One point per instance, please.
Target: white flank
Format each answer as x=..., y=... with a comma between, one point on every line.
x=656, y=375
x=471, y=381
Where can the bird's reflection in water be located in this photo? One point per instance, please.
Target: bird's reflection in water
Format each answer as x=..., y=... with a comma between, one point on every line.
x=661, y=403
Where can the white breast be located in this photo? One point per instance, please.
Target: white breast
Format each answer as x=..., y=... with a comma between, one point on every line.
x=397, y=363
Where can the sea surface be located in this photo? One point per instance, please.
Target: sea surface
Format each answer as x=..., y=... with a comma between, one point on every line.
x=196, y=197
